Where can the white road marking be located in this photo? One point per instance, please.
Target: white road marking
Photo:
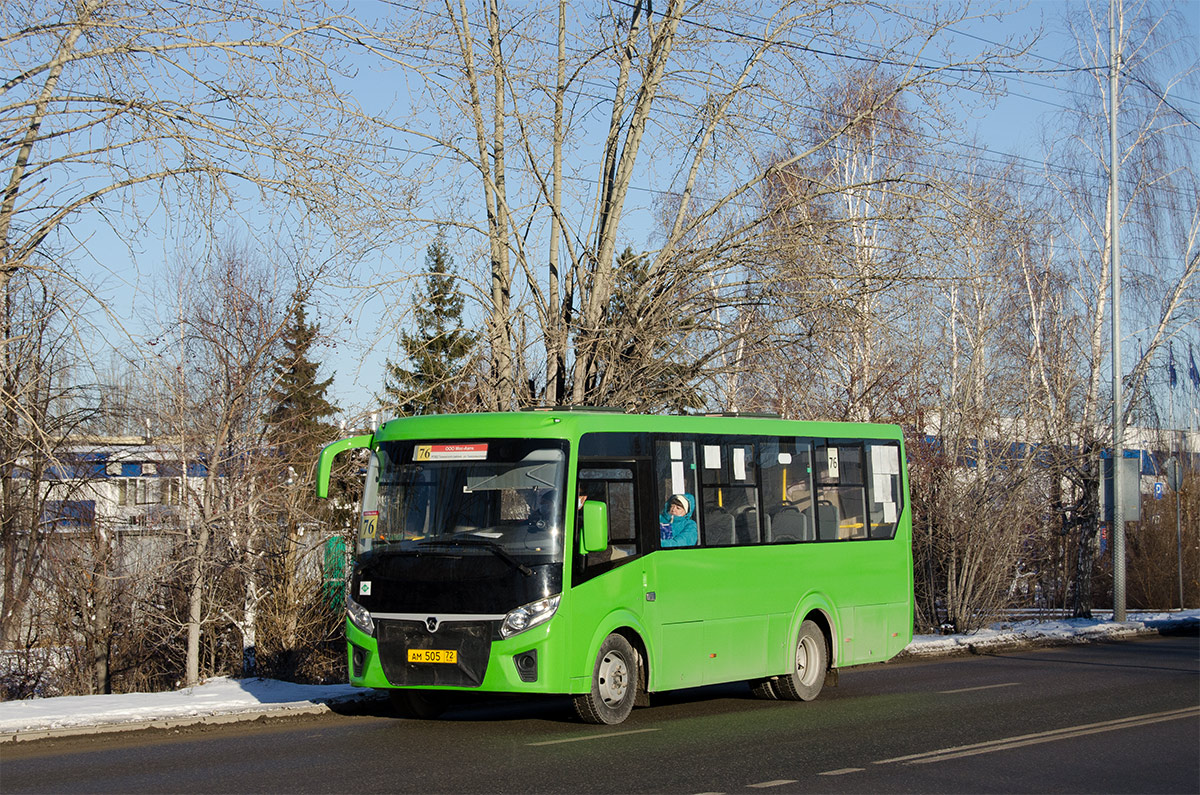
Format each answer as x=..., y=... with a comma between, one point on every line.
x=843, y=771
x=1007, y=743
x=983, y=687
x=594, y=737
x=777, y=783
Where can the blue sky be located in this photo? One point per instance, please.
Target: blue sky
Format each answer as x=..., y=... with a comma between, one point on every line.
x=1012, y=127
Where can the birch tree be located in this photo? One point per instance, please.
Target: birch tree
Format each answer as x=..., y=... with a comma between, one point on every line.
x=977, y=496
x=572, y=117
x=1159, y=215
x=856, y=244
x=41, y=404
x=227, y=339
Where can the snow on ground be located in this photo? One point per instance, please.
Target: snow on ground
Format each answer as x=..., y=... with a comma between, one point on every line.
x=1007, y=633
x=218, y=696
x=230, y=697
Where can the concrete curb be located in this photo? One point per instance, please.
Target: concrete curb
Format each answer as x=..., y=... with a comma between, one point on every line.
x=291, y=709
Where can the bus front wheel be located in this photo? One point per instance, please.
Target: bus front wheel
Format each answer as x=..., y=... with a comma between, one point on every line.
x=808, y=669
x=614, y=683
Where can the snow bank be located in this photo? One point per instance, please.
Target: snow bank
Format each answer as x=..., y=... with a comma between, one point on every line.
x=220, y=696
x=1009, y=633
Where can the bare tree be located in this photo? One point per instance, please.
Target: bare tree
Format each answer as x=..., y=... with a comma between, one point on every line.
x=979, y=494
x=555, y=164
x=180, y=105
x=128, y=113
x=43, y=377
x=854, y=232
x=230, y=324
x=1159, y=216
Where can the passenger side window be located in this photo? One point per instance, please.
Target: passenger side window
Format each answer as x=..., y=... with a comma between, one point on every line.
x=730, y=494
x=884, y=474
x=787, y=488
x=675, y=476
x=841, y=498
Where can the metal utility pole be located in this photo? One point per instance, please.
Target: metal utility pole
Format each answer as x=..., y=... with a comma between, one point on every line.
x=1174, y=472
x=1114, y=258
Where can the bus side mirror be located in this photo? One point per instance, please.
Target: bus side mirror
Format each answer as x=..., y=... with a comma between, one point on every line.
x=595, y=527
x=330, y=452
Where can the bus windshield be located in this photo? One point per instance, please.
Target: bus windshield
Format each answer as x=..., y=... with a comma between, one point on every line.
x=491, y=497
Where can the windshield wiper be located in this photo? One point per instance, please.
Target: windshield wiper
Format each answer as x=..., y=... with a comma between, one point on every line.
x=475, y=541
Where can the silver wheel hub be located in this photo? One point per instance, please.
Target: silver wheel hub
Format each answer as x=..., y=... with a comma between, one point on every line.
x=806, y=661
x=613, y=678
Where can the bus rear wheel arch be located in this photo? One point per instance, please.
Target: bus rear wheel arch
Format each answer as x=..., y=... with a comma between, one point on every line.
x=809, y=663
x=616, y=680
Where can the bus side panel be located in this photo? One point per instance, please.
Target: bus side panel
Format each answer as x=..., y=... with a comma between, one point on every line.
x=737, y=648
x=713, y=612
x=870, y=582
x=594, y=609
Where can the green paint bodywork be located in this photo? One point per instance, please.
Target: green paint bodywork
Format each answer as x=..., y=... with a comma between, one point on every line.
x=330, y=452
x=697, y=615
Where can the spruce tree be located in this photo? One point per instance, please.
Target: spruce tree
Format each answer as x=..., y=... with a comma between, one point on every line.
x=298, y=421
x=295, y=624
x=439, y=349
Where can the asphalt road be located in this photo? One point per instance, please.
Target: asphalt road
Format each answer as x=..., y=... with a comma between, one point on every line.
x=1109, y=717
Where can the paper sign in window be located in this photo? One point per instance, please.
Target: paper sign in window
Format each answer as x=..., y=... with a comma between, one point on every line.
x=678, y=486
x=881, y=486
x=712, y=456
x=885, y=459
x=739, y=463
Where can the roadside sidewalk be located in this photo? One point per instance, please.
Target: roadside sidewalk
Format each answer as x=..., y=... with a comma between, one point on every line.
x=224, y=700
x=219, y=700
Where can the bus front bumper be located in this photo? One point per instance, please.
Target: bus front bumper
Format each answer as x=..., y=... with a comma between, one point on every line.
x=530, y=662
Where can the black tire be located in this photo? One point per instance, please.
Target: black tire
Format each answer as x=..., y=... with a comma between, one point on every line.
x=808, y=666
x=417, y=704
x=615, y=680
x=764, y=689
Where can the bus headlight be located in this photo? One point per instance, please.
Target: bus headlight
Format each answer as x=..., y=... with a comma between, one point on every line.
x=528, y=616
x=360, y=616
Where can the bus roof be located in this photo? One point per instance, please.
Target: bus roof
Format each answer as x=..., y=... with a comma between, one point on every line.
x=573, y=422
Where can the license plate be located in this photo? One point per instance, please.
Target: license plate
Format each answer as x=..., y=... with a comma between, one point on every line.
x=432, y=656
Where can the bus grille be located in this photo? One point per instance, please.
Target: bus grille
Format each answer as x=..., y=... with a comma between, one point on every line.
x=472, y=640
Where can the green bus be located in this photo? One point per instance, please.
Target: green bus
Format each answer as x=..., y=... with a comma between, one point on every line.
x=608, y=556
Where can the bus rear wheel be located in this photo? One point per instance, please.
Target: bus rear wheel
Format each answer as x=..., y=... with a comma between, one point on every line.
x=764, y=688
x=614, y=684
x=808, y=668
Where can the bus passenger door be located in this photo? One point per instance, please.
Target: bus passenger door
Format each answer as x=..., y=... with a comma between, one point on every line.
x=676, y=574
x=610, y=579
x=675, y=619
